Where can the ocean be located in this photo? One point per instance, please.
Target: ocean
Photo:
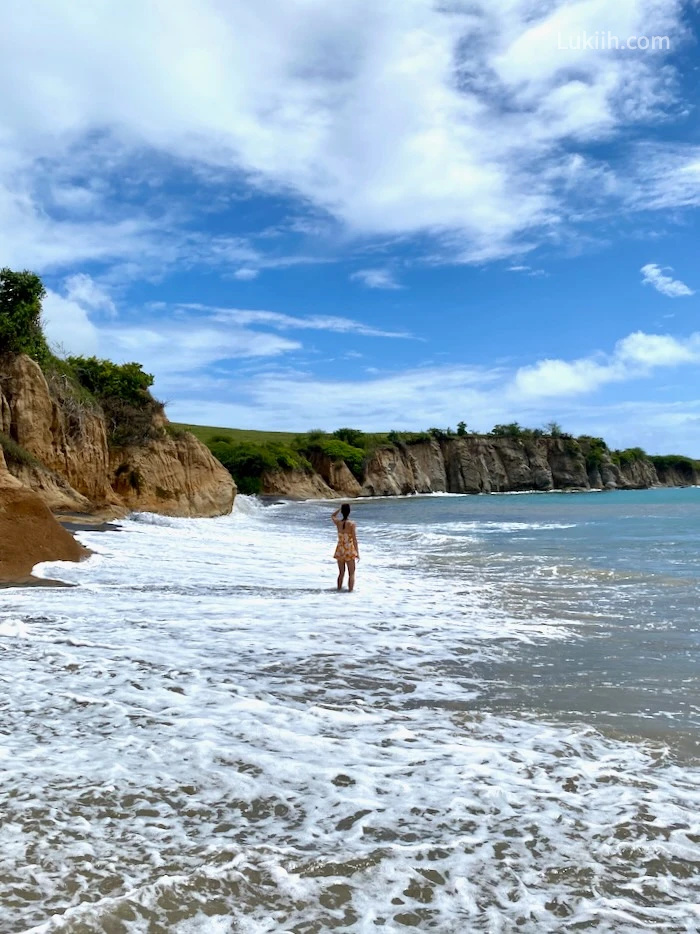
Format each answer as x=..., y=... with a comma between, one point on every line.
x=498, y=731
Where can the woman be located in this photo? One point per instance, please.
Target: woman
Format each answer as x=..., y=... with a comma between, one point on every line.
x=347, y=552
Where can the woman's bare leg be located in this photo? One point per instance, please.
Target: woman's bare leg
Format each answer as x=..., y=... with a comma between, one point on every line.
x=341, y=573
x=351, y=575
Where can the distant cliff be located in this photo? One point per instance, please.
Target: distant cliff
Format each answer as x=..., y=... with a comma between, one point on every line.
x=484, y=464
x=60, y=444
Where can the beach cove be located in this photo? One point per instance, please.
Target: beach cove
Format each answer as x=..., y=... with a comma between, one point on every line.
x=498, y=730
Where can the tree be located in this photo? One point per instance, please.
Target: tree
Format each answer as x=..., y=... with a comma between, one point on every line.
x=461, y=429
x=511, y=430
x=20, y=314
x=351, y=436
x=553, y=429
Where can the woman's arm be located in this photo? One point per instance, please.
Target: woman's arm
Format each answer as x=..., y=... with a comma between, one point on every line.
x=354, y=541
x=333, y=517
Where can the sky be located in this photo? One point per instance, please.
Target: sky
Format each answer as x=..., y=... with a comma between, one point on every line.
x=306, y=214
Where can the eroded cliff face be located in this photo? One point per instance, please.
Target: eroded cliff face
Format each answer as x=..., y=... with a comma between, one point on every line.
x=475, y=464
x=296, y=484
x=177, y=476
x=335, y=474
x=72, y=468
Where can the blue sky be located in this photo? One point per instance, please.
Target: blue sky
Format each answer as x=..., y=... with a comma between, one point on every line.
x=301, y=214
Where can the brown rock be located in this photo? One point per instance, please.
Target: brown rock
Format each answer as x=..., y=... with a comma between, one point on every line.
x=175, y=476
x=335, y=474
x=296, y=484
x=75, y=470
x=29, y=534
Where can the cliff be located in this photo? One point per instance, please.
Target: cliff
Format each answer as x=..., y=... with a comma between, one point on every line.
x=29, y=534
x=480, y=464
x=57, y=446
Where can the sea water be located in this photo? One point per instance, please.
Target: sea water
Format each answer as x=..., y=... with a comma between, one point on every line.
x=497, y=731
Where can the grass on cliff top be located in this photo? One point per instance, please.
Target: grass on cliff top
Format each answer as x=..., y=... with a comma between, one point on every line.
x=207, y=433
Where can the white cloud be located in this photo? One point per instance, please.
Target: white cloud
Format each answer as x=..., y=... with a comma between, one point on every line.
x=565, y=390
x=667, y=285
x=376, y=278
x=245, y=274
x=85, y=291
x=458, y=121
x=633, y=357
x=529, y=271
x=658, y=350
x=274, y=319
x=68, y=327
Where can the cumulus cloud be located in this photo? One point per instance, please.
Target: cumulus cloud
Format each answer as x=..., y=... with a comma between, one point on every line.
x=657, y=277
x=245, y=274
x=634, y=356
x=462, y=122
x=376, y=278
x=68, y=327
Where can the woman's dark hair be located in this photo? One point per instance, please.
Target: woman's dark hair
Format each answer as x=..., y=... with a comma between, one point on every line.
x=345, y=510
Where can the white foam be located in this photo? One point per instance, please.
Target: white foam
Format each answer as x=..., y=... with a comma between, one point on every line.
x=204, y=736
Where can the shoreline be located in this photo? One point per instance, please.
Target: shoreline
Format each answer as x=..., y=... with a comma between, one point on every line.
x=44, y=537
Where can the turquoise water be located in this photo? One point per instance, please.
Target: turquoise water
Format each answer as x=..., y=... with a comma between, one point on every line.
x=620, y=570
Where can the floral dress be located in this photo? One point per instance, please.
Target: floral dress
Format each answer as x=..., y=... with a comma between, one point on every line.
x=345, y=550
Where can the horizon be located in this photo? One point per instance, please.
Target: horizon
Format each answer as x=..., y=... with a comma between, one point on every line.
x=386, y=217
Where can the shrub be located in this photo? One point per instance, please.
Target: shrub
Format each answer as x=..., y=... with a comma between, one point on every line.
x=440, y=434
x=351, y=436
x=628, y=456
x=553, y=429
x=595, y=451
x=15, y=453
x=340, y=451
x=247, y=461
x=123, y=391
x=104, y=379
x=20, y=314
x=461, y=429
x=511, y=430
x=685, y=466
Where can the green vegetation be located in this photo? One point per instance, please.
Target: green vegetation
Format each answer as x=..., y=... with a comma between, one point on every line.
x=247, y=461
x=20, y=314
x=627, y=457
x=337, y=451
x=595, y=450
x=686, y=467
x=123, y=393
x=79, y=384
x=248, y=454
x=15, y=453
x=107, y=380
x=511, y=430
x=515, y=430
x=207, y=434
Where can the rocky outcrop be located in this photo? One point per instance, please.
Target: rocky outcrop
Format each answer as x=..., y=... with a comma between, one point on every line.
x=395, y=471
x=335, y=474
x=296, y=484
x=68, y=440
x=29, y=534
x=176, y=475
x=482, y=464
x=68, y=462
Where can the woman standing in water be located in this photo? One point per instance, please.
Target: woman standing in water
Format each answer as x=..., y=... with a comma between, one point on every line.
x=346, y=552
